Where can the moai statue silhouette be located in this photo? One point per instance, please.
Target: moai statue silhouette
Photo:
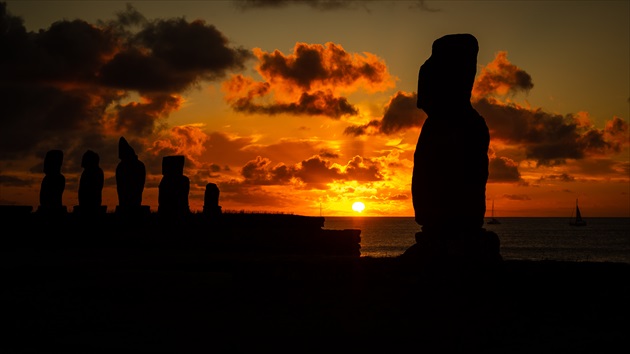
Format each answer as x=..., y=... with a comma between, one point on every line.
x=211, y=207
x=91, y=186
x=174, y=188
x=130, y=178
x=53, y=185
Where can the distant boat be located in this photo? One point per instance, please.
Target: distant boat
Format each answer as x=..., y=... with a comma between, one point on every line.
x=577, y=220
x=493, y=220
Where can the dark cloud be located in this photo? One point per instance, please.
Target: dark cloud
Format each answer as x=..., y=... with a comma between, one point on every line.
x=616, y=130
x=329, y=65
x=67, y=52
x=255, y=171
x=12, y=181
x=171, y=55
x=69, y=86
x=398, y=197
x=370, y=128
x=549, y=139
x=329, y=154
x=401, y=114
x=357, y=170
x=258, y=172
x=317, y=170
x=139, y=118
x=199, y=179
x=316, y=104
x=245, y=196
x=503, y=170
x=500, y=77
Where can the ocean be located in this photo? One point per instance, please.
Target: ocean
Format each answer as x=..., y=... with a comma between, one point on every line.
x=601, y=240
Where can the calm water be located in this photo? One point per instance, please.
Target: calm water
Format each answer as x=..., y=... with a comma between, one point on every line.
x=602, y=240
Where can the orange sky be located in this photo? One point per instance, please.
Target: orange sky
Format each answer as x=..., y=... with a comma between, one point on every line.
x=316, y=125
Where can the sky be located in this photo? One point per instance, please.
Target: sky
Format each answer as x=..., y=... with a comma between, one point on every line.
x=306, y=107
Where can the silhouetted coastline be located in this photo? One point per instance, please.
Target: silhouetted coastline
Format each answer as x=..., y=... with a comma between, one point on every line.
x=173, y=226
x=266, y=233
x=152, y=300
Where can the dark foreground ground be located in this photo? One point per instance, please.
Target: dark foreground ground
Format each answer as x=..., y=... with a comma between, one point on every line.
x=189, y=302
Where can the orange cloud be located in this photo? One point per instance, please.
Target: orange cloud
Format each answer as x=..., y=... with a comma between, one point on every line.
x=240, y=90
x=318, y=103
x=185, y=140
x=315, y=66
x=310, y=81
x=139, y=118
x=550, y=139
x=401, y=113
x=314, y=170
x=500, y=77
x=616, y=130
x=503, y=169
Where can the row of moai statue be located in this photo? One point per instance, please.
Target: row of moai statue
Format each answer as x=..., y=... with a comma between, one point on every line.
x=173, y=190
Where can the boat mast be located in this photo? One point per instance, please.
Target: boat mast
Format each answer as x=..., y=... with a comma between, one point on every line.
x=578, y=215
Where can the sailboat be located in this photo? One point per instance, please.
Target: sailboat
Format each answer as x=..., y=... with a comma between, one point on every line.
x=577, y=220
x=492, y=218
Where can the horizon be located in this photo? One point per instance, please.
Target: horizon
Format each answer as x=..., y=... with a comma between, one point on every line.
x=296, y=118
x=111, y=211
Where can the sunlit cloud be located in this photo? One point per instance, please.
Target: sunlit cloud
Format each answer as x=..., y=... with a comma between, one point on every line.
x=310, y=81
x=401, y=113
x=500, y=77
x=314, y=170
x=550, y=139
x=188, y=141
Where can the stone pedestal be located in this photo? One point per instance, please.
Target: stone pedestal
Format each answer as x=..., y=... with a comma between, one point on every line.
x=452, y=252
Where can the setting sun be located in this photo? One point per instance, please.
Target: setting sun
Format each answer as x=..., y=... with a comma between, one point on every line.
x=358, y=207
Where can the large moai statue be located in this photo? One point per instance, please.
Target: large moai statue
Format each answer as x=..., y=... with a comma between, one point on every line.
x=53, y=185
x=174, y=188
x=211, y=207
x=91, y=186
x=451, y=161
x=130, y=178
